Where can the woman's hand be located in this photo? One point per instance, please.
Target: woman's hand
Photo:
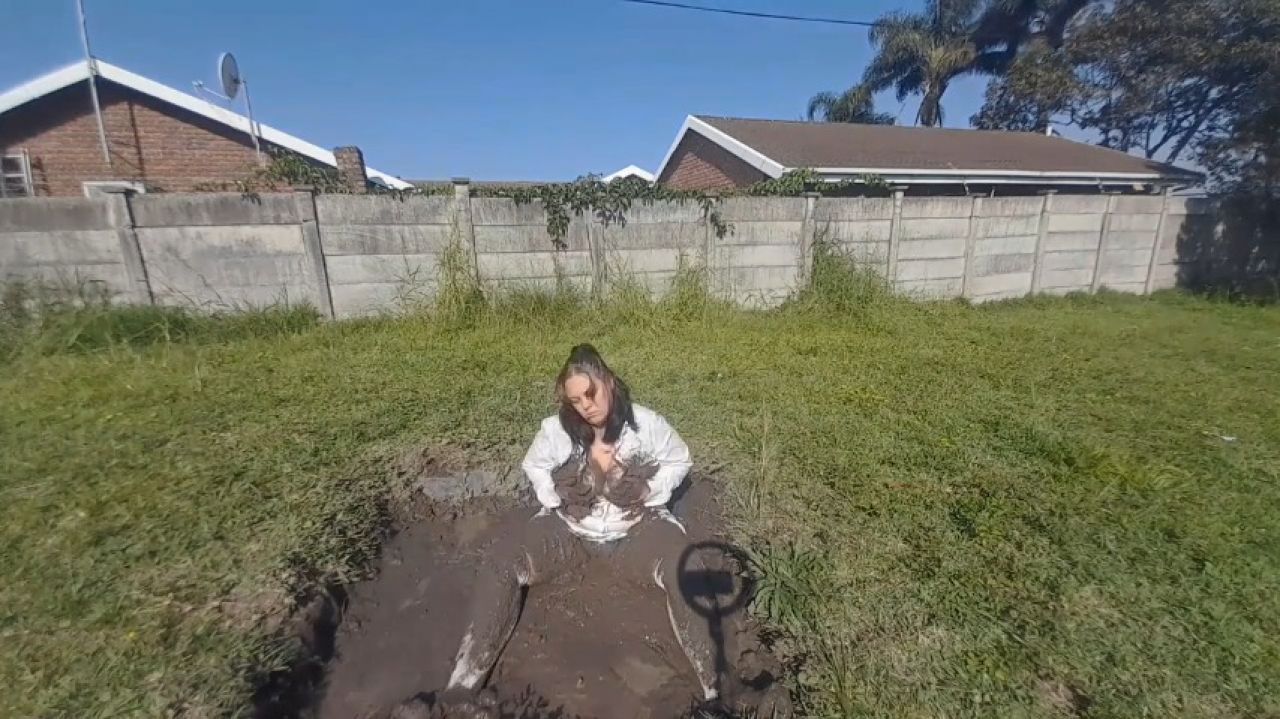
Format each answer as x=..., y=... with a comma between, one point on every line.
x=630, y=487
x=573, y=485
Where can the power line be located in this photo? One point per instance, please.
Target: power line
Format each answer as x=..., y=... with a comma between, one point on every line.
x=748, y=13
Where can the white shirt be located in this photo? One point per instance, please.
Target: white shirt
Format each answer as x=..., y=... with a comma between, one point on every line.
x=652, y=439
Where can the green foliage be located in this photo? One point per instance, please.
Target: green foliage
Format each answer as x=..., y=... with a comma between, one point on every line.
x=289, y=169
x=788, y=581
x=922, y=53
x=1038, y=86
x=1170, y=79
x=284, y=170
x=608, y=201
x=798, y=182
x=856, y=105
x=840, y=285
x=40, y=320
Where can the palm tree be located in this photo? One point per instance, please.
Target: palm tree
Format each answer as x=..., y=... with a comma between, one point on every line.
x=921, y=53
x=852, y=105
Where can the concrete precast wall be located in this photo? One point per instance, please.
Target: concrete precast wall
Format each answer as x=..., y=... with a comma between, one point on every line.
x=354, y=255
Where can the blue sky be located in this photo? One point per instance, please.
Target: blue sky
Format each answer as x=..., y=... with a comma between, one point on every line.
x=500, y=89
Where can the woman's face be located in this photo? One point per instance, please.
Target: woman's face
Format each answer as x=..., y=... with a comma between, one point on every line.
x=590, y=399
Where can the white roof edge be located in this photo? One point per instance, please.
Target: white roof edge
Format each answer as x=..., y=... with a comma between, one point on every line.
x=629, y=170
x=1025, y=174
x=1082, y=182
x=79, y=71
x=739, y=149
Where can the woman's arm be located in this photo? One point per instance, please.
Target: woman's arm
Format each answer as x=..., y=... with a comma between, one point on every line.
x=545, y=454
x=672, y=456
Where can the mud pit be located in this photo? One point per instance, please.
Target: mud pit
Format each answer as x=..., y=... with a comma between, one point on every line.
x=586, y=645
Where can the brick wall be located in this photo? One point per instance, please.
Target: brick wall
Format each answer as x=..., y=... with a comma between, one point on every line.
x=700, y=164
x=151, y=141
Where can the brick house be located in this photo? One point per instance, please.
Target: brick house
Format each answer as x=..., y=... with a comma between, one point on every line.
x=159, y=138
x=717, y=153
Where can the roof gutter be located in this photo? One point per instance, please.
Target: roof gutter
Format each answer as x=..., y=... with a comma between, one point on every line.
x=1003, y=177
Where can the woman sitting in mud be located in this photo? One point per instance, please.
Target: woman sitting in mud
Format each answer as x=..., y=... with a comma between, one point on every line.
x=603, y=470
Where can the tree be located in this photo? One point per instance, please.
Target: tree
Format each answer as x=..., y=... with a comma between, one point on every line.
x=1039, y=85
x=1167, y=78
x=921, y=53
x=1015, y=25
x=853, y=105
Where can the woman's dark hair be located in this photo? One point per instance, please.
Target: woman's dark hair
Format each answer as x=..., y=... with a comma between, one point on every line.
x=585, y=360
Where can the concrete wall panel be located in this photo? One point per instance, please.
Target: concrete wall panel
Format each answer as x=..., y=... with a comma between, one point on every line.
x=1015, y=284
x=214, y=210
x=55, y=214
x=384, y=239
x=930, y=269
x=1061, y=241
x=913, y=207
x=1004, y=245
x=927, y=229
x=378, y=210
x=929, y=289
x=1001, y=264
x=928, y=249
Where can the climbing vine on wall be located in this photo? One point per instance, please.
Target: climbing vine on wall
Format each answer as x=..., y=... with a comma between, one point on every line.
x=610, y=201
x=283, y=170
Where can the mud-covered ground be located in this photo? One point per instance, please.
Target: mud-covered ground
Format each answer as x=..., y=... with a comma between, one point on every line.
x=587, y=645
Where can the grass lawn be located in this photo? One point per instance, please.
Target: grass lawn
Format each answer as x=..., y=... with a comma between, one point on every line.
x=1034, y=508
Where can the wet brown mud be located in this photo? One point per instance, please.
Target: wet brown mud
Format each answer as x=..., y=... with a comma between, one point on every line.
x=587, y=644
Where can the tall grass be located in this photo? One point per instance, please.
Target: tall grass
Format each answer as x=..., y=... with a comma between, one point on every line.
x=46, y=320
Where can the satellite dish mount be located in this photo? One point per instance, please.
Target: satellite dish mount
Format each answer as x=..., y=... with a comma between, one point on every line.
x=232, y=82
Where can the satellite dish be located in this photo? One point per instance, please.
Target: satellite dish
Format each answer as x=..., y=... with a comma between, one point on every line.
x=229, y=74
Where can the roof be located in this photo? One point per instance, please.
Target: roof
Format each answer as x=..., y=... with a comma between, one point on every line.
x=79, y=72
x=923, y=154
x=629, y=171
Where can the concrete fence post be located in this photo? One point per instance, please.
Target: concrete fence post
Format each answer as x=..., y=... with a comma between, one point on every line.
x=971, y=241
x=597, y=251
x=1096, y=284
x=709, y=246
x=808, y=236
x=895, y=231
x=463, y=221
x=1155, y=246
x=309, y=224
x=1046, y=209
x=135, y=265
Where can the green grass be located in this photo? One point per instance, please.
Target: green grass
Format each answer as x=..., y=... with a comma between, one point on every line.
x=1012, y=510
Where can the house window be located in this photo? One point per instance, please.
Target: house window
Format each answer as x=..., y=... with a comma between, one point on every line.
x=15, y=175
x=98, y=188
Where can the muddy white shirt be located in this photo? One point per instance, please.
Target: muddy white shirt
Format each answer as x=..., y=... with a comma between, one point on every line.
x=653, y=439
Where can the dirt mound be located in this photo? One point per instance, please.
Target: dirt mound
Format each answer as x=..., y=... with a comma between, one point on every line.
x=586, y=645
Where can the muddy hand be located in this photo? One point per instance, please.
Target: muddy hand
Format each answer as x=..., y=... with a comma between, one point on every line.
x=577, y=511
x=572, y=483
x=630, y=487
